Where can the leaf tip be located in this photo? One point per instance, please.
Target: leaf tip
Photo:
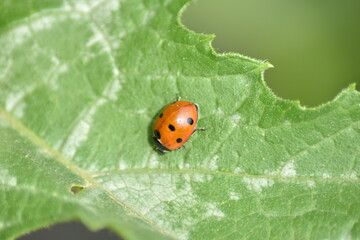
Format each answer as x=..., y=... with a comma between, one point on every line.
x=269, y=65
x=352, y=86
x=264, y=65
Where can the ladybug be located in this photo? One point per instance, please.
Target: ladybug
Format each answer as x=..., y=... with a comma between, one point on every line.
x=174, y=125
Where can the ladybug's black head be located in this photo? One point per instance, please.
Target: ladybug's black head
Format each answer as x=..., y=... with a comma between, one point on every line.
x=159, y=147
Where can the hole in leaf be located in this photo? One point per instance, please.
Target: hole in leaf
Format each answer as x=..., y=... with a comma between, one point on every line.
x=75, y=189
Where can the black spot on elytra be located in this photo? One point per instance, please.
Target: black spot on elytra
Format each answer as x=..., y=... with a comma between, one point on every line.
x=190, y=121
x=157, y=134
x=171, y=127
x=179, y=140
x=161, y=115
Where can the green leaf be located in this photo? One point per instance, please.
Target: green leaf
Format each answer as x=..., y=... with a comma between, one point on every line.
x=80, y=84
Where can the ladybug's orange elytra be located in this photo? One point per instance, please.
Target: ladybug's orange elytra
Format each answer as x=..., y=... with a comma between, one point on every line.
x=174, y=125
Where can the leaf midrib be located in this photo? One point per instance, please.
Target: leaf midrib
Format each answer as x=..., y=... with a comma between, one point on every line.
x=35, y=139
x=86, y=176
x=220, y=173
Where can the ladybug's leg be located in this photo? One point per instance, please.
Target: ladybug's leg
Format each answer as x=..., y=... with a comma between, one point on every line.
x=177, y=97
x=161, y=150
x=198, y=129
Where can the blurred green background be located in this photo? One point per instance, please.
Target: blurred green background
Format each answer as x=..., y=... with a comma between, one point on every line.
x=313, y=44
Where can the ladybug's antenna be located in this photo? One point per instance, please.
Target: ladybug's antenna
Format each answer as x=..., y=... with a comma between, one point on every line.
x=177, y=97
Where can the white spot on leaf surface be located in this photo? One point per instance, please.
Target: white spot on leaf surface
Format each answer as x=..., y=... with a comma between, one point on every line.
x=288, y=170
x=213, y=211
x=237, y=170
x=198, y=177
x=53, y=84
x=86, y=6
x=45, y=22
x=213, y=163
x=234, y=196
x=13, y=99
x=326, y=175
x=257, y=184
x=19, y=110
x=310, y=183
x=97, y=37
x=352, y=175
x=5, y=66
x=18, y=36
x=236, y=118
x=153, y=161
x=113, y=89
x=81, y=130
x=7, y=179
x=287, y=122
x=122, y=164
